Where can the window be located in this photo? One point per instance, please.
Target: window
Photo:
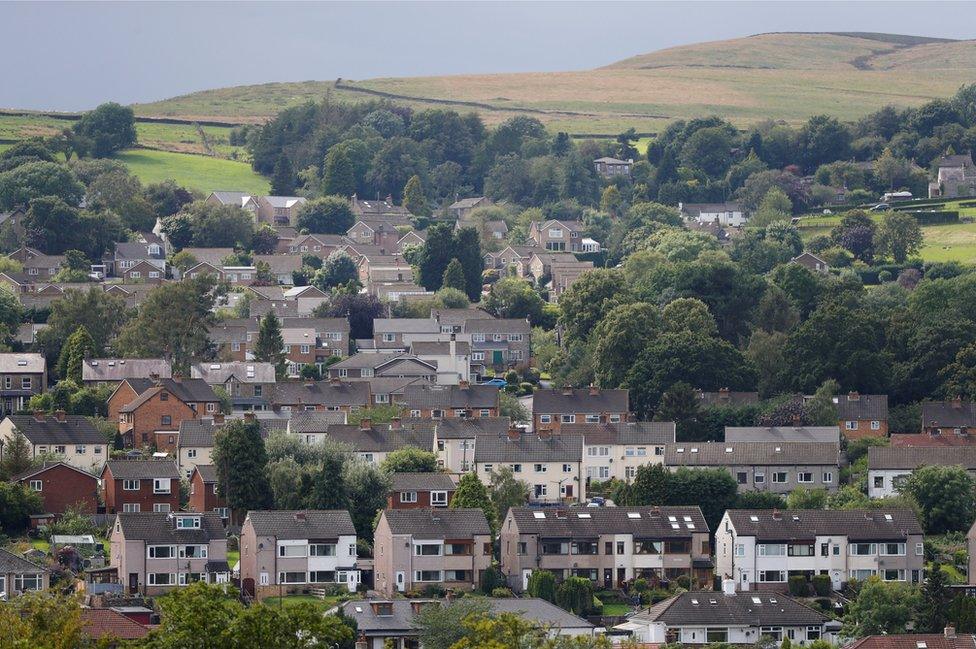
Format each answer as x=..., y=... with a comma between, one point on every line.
x=773, y=632
x=739, y=550
x=862, y=574
x=540, y=468
x=428, y=549
x=438, y=498
x=716, y=635
x=813, y=633
x=161, y=485
x=161, y=508
x=25, y=583
x=321, y=577
x=389, y=338
x=862, y=549
x=828, y=477
x=648, y=546
x=800, y=550
x=161, y=551
x=166, y=420
x=893, y=549
x=555, y=547
x=211, y=407
x=567, y=419
x=772, y=549
x=772, y=576
x=292, y=550
x=545, y=419
x=850, y=425
x=130, y=508
x=382, y=398
x=408, y=496
x=593, y=419
x=191, y=453
x=427, y=575
x=477, y=338
x=540, y=491
x=919, y=549
x=585, y=547
x=187, y=522
x=759, y=478
x=25, y=382
x=291, y=577
x=135, y=274
x=36, y=485
x=620, y=547
x=878, y=482
x=891, y=574
x=131, y=485
x=741, y=477
x=477, y=356
x=567, y=468
x=516, y=468
x=161, y=579
x=164, y=396
x=321, y=549
x=779, y=476
x=60, y=449
x=221, y=511
x=303, y=349
x=875, y=425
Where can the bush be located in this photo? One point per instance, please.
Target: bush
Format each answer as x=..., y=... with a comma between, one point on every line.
x=502, y=592
x=433, y=590
x=597, y=606
x=884, y=276
x=576, y=595
x=821, y=585
x=492, y=580
x=799, y=587
x=684, y=581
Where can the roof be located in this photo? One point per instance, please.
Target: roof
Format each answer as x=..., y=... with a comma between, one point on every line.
x=959, y=160
x=280, y=264
x=862, y=407
x=14, y=363
x=961, y=439
x=751, y=453
x=368, y=361
x=915, y=641
x=458, y=316
x=186, y=390
x=728, y=398
x=315, y=421
x=497, y=326
x=574, y=400
x=321, y=393
x=302, y=524
x=196, y=433
x=465, y=203
x=75, y=429
x=405, y=325
x=230, y=197
x=695, y=209
x=439, y=348
x=47, y=466
x=450, y=396
x=460, y=427
x=948, y=414
x=136, y=250
x=212, y=256
x=590, y=522
x=208, y=473
x=284, y=201
x=423, y=482
x=856, y=524
x=161, y=527
x=11, y=563
x=380, y=438
x=437, y=523
x=742, y=609
x=782, y=434
x=609, y=160
x=625, y=432
x=143, y=469
x=105, y=623
x=902, y=457
x=528, y=448
x=118, y=369
x=246, y=372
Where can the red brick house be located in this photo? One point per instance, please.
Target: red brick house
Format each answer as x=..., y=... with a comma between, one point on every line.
x=150, y=411
x=203, y=492
x=442, y=401
x=420, y=491
x=62, y=486
x=141, y=486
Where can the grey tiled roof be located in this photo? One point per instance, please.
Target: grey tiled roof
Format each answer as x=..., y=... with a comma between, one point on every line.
x=208, y=472
x=22, y=363
x=451, y=396
x=575, y=400
x=143, y=469
x=695, y=609
x=782, y=434
x=872, y=407
x=11, y=563
x=498, y=326
x=75, y=429
x=380, y=438
x=439, y=347
x=856, y=524
x=949, y=414
x=589, y=522
x=461, y=428
x=625, y=432
x=367, y=361
x=246, y=372
x=751, y=453
x=321, y=393
x=287, y=524
x=405, y=325
x=117, y=369
x=186, y=390
x=422, y=482
x=161, y=527
x=911, y=457
x=528, y=448
x=437, y=523
x=315, y=421
x=196, y=433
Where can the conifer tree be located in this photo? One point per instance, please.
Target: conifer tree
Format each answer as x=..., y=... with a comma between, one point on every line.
x=283, y=180
x=473, y=494
x=79, y=345
x=454, y=276
x=16, y=456
x=241, y=461
x=338, y=175
x=414, y=199
x=270, y=346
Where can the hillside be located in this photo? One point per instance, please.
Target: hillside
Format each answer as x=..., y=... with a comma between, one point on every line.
x=787, y=76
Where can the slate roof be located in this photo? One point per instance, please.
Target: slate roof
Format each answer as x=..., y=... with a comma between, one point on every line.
x=423, y=482
x=948, y=414
x=439, y=348
x=653, y=522
x=573, y=400
x=458, y=316
x=136, y=250
x=856, y=524
x=695, y=209
x=11, y=563
x=367, y=361
x=196, y=433
x=246, y=372
x=497, y=326
x=280, y=264
x=782, y=434
x=460, y=428
x=451, y=396
x=958, y=160
x=75, y=429
x=741, y=609
x=208, y=473
x=230, y=197
x=315, y=421
x=22, y=363
x=528, y=448
x=142, y=469
x=915, y=641
x=186, y=390
x=100, y=623
x=864, y=407
x=751, y=453
x=901, y=457
x=380, y=438
x=161, y=527
x=212, y=256
x=437, y=523
x=466, y=203
x=318, y=523
x=948, y=439
x=405, y=325
x=625, y=432
x=322, y=393
x=393, y=384
x=118, y=369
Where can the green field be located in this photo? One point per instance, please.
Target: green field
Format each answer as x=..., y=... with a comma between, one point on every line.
x=202, y=173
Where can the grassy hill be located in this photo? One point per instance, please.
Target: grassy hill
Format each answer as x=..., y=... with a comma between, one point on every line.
x=787, y=76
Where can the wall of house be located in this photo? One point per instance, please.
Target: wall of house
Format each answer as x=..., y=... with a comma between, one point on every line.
x=887, y=478
x=62, y=488
x=619, y=461
x=116, y=497
x=745, y=476
x=864, y=428
x=551, y=477
x=200, y=455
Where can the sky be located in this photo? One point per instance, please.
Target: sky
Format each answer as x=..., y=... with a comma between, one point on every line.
x=75, y=55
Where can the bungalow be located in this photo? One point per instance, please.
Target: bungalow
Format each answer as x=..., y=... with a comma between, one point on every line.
x=811, y=262
x=18, y=576
x=727, y=214
x=611, y=167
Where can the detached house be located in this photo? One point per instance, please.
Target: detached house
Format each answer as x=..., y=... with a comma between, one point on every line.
x=762, y=549
x=610, y=546
x=248, y=384
x=558, y=236
x=421, y=490
x=62, y=487
x=141, y=486
x=497, y=343
x=551, y=464
x=286, y=551
x=554, y=407
x=150, y=411
x=862, y=415
x=157, y=552
x=73, y=437
x=412, y=549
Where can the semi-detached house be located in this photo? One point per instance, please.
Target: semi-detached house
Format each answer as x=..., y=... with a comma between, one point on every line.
x=73, y=437
x=551, y=464
x=552, y=408
x=889, y=467
x=618, y=450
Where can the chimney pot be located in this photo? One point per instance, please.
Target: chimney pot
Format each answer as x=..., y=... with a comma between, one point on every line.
x=249, y=416
x=594, y=390
x=59, y=415
x=365, y=423
x=514, y=434
x=567, y=390
x=300, y=516
x=39, y=415
x=464, y=385
x=395, y=423
x=853, y=396
x=950, y=632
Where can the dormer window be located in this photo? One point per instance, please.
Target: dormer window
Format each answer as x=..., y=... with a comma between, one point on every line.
x=187, y=522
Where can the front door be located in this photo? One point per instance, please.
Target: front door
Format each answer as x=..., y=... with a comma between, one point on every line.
x=608, y=578
x=621, y=577
x=133, y=582
x=496, y=357
x=526, y=573
x=401, y=581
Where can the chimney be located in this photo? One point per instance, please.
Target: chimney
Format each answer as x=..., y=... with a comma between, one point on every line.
x=39, y=415
x=59, y=415
x=249, y=416
x=545, y=433
x=853, y=396
x=395, y=423
x=365, y=423
x=777, y=515
x=796, y=420
x=218, y=418
x=632, y=417
x=464, y=385
x=567, y=390
x=154, y=377
x=656, y=512
x=594, y=390
x=300, y=517
x=335, y=380
x=309, y=384
x=177, y=377
x=950, y=632
x=514, y=434
x=957, y=402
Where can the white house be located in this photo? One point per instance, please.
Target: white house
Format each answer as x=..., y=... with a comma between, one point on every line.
x=889, y=467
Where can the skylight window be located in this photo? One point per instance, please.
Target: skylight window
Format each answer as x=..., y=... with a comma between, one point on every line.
x=680, y=450
x=756, y=600
x=921, y=645
x=633, y=515
x=690, y=526
x=687, y=519
x=728, y=449
x=672, y=518
x=754, y=519
x=675, y=526
x=888, y=517
x=583, y=515
x=694, y=602
x=539, y=514
x=694, y=449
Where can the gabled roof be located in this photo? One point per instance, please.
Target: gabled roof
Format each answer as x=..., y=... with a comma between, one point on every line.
x=245, y=372
x=142, y=469
x=280, y=264
x=22, y=363
x=451, y=396
x=315, y=421
x=405, y=325
x=742, y=609
x=208, y=473
x=590, y=522
x=75, y=429
x=528, y=448
x=47, y=466
x=380, y=438
x=948, y=414
x=302, y=524
x=782, y=434
x=323, y=393
x=856, y=524
x=916, y=641
x=751, y=453
x=423, y=482
x=911, y=458
x=186, y=390
x=460, y=427
x=437, y=523
x=862, y=407
x=11, y=563
x=465, y=203
x=573, y=400
x=98, y=623
x=117, y=369
x=439, y=348
x=625, y=432
x=368, y=361
x=161, y=527
x=197, y=433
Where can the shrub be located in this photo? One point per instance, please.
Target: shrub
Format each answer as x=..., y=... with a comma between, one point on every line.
x=799, y=587
x=576, y=595
x=684, y=581
x=821, y=585
x=884, y=276
x=501, y=592
x=492, y=580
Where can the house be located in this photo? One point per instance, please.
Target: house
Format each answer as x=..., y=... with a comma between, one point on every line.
x=452, y=321
x=451, y=359
x=400, y=365
x=112, y=371
x=62, y=487
x=129, y=254
x=461, y=400
x=811, y=262
x=22, y=376
x=563, y=276
x=107, y=625
x=610, y=546
x=949, y=639
x=73, y=437
x=397, y=334
x=36, y=264
x=196, y=443
x=762, y=549
x=862, y=415
x=150, y=410
x=727, y=398
x=13, y=221
x=889, y=467
x=779, y=467
x=557, y=236
x=334, y=395
x=390, y=623
x=274, y=210
x=156, y=552
x=331, y=334
x=239, y=275
x=281, y=267
x=380, y=210
x=371, y=442
x=612, y=167
x=317, y=245
x=515, y=257
x=18, y=576
x=553, y=407
x=462, y=208
x=955, y=177
x=248, y=384
x=551, y=464
x=418, y=548
x=455, y=438
x=499, y=343
x=143, y=272
x=391, y=390
x=288, y=551
x=618, y=450
x=699, y=619
x=727, y=214
x=782, y=434
x=944, y=423
x=141, y=486
x=203, y=492
x=538, y=265
x=420, y=491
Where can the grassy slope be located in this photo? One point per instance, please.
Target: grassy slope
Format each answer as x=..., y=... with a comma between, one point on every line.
x=195, y=171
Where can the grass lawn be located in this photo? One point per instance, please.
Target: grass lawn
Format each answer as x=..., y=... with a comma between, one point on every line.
x=950, y=242
x=41, y=544
x=616, y=609
x=194, y=171
x=293, y=600
x=233, y=556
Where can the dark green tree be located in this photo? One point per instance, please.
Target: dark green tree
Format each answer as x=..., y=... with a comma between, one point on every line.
x=270, y=346
x=283, y=179
x=620, y=337
x=17, y=454
x=453, y=276
x=680, y=404
x=946, y=496
x=327, y=215
x=109, y=128
x=414, y=199
x=542, y=584
x=78, y=347
x=472, y=494
x=17, y=503
x=329, y=490
x=575, y=595
x=933, y=610
x=338, y=173
x=241, y=462
x=410, y=459
x=590, y=298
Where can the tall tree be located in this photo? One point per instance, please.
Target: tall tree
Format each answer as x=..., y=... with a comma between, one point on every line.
x=898, y=237
x=107, y=129
x=946, y=496
x=410, y=459
x=467, y=245
x=78, y=347
x=507, y=491
x=936, y=597
x=414, y=199
x=270, y=346
x=101, y=314
x=16, y=456
x=453, y=276
x=338, y=173
x=472, y=494
x=329, y=490
x=241, y=462
x=283, y=179
x=326, y=215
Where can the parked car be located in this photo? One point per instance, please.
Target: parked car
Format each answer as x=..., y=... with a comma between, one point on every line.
x=880, y=207
x=498, y=383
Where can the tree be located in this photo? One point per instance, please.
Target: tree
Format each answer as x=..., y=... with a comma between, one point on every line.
x=207, y=225
x=946, y=496
x=650, y=486
x=109, y=128
x=471, y=493
x=503, y=631
x=17, y=503
x=680, y=404
x=507, y=491
x=440, y=627
x=619, y=337
x=338, y=270
x=327, y=215
x=51, y=225
x=413, y=197
x=410, y=459
x=33, y=180
x=510, y=406
x=542, y=584
x=283, y=178
x=513, y=297
x=241, y=462
x=444, y=245
x=468, y=246
x=329, y=489
x=368, y=487
x=823, y=139
x=270, y=346
x=803, y=498
x=338, y=173
x=11, y=311
x=453, y=276
x=898, y=237
x=610, y=200
x=78, y=347
x=101, y=314
x=575, y=594
x=265, y=240
x=360, y=309
x=759, y=500
x=16, y=456
x=936, y=597
x=590, y=298
x=775, y=207
x=714, y=490
x=881, y=607
x=43, y=620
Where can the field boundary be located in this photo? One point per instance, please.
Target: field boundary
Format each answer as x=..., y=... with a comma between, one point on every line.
x=146, y=119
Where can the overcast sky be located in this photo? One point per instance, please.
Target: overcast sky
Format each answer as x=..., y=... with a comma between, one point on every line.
x=72, y=56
